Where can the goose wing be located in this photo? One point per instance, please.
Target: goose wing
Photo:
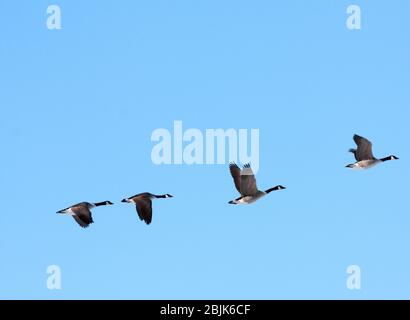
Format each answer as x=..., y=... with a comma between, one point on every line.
x=364, y=148
x=82, y=215
x=236, y=175
x=354, y=151
x=248, y=181
x=144, y=209
x=141, y=195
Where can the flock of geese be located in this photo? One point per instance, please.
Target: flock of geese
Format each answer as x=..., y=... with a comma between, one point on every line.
x=244, y=180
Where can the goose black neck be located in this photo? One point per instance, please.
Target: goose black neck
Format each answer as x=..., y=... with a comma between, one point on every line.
x=98, y=204
x=387, y=158
x=271, y=189
x=275, y=189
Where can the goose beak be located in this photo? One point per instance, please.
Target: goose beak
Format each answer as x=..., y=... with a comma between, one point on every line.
x=124, y=200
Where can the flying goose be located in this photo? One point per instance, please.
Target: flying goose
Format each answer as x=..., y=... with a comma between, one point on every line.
x=143, y=203
x=81, y=212
x=364, y=155
x=245, y=183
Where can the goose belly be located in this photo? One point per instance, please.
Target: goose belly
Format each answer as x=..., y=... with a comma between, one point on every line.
x=250, y=199
x=366, y=164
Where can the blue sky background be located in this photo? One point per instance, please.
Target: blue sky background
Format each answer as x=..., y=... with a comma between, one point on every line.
x=78, y=106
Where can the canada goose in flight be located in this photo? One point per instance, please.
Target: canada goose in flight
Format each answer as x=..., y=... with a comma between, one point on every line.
x=81, y=212
x=364, y=155
x=245, y=183
x=143, y=203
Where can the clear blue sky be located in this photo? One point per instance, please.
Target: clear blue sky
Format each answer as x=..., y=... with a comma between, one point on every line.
x=78, y=107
